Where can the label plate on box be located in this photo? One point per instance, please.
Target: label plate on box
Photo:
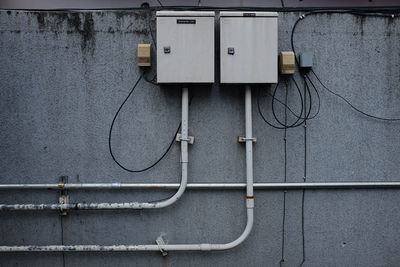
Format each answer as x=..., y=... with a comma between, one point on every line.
x=186, y=21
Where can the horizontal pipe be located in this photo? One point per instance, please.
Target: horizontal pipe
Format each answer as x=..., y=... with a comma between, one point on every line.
x=120, y=248
x=136, y=205
x=204, y=186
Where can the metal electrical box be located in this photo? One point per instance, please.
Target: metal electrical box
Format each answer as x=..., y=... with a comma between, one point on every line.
x=185, y=47
x=305, y=59
x=249, y=47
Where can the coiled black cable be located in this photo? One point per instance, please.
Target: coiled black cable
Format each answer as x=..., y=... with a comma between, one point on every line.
x=355, y=13
x=110, y=136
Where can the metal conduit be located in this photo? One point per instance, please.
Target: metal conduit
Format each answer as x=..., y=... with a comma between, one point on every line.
x=174, y=247
x=128, y=205
x=204, y=186
x=185, y=247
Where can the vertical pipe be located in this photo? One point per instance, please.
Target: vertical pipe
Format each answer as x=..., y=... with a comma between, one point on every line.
x=249, y=180
x=185, y=125
x=184, y=150
x=129, y=205
x=249, y=165
x=249, y=177
x=179, y=247
x=249, y=142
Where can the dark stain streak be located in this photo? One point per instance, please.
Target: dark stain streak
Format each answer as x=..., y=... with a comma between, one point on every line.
x=389, y=21
x=110, y=30
x=40, y=16
x=361, y=21
x=8, y=12
x=135, y=15
x=88, y=33
x=389, y=27
x=75, y=24
x=74, y=21
x=12, y=31
x=100, y=13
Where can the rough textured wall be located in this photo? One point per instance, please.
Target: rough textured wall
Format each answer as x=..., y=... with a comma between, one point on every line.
x=63, y=76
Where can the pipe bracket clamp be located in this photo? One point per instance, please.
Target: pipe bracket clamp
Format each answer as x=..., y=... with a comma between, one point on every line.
x=64, y=198
x=242, y=139
x=179, y=138
x=160, y=242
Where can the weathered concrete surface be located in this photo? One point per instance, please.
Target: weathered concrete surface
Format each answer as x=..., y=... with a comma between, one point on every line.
x=63, y=76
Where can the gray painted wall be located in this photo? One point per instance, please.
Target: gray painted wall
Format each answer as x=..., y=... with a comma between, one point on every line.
x=63, y=76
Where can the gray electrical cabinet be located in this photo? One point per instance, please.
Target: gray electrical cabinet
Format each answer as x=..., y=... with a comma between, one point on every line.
x=249, y=47
x=185, y=47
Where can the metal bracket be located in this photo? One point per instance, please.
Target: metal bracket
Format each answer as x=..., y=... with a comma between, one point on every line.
x=160, y=242
x=64, y=198
x=242, y=139
x=179, y=138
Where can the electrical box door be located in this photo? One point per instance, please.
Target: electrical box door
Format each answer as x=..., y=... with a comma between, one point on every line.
x=249, y=47
x=185, y=47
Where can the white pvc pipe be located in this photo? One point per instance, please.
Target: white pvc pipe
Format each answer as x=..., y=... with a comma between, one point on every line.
x=249, y=176
x=249, y=142
x=128, y=205
x=204, y=186
x=177, y=247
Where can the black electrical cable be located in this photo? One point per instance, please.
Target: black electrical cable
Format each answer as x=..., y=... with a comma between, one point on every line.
x=289, y=108
x=295, y=124
x=373, y=10
x=304, y=176
x=318, y=97
x=302, y=228
x=336, y=94
x=284, y=180
x=151, y=80
x=159, y=2
x=110, y=136
x=356, y=13
x=273, y=107
x=283, y=104
x=262, y=115
x=62, y=238
x=351, y=105
x=143, y=75
x=387, y=13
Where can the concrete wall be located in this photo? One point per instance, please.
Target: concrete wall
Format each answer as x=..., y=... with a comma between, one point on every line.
x=63, y=76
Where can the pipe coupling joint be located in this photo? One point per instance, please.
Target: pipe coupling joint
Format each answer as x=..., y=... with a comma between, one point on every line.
x=250, y=202
x=205, y=247
x=116, y=185
x=184, y=158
